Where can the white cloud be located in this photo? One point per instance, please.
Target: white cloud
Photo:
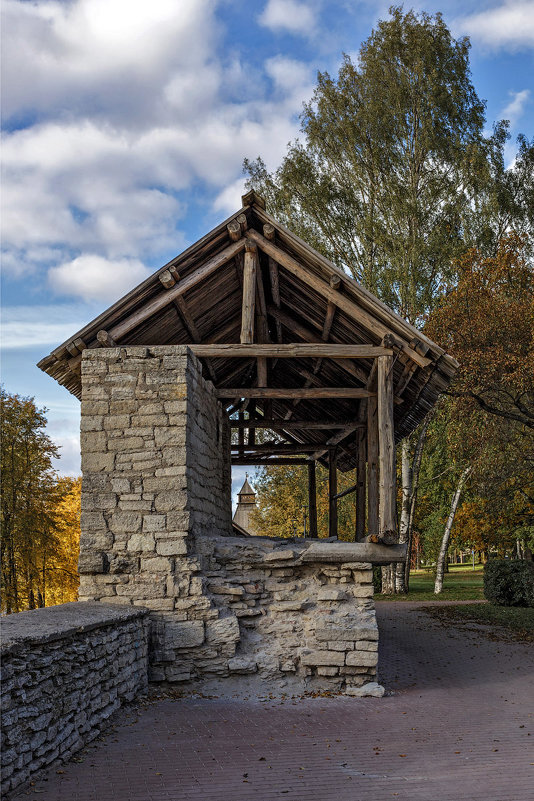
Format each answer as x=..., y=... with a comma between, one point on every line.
x=229, y=200
x=514, y=110
x=92, y=277
x=131, y=104
x=510, y=24
x=289, y=15
x=35, y=326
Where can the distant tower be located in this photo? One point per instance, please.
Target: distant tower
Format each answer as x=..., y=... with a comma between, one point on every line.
x=246, y=504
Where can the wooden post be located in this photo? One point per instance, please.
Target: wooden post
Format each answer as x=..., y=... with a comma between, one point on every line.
x=332, y=492
x=372, y=466
x=241, y=432
x=249, y=293
x=312, y=499
x=361, y=487
x=252, y=431
x=386, y=452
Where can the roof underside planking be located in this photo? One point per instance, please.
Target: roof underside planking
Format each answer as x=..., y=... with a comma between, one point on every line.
x=300, y=298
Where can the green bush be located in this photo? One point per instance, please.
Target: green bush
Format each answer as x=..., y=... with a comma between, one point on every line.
x=509, y=582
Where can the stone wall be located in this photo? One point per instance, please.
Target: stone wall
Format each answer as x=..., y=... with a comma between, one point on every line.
x=156, y=532
x=65, y=670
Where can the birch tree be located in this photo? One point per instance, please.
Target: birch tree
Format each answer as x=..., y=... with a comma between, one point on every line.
x=442, y=556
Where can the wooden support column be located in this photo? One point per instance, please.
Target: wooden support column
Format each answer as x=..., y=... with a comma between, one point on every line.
x=312, y=499
x=249, y=293
x=361, y=486
x=372, y=466
x=332, y=492
x=386, y=452
x=252, y=431
x=241, y=431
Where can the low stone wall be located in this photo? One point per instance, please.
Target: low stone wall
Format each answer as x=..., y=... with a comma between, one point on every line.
x=65, y=670
x=289, y=614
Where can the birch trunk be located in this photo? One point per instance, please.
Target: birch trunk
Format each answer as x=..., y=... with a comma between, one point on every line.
x=440, y=568
x=416, y=469
x=407, y=489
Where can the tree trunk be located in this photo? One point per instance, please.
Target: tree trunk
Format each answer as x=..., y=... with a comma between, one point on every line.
x=407, y=489
x=440, y=567
x=388, y=579
x=416, y=468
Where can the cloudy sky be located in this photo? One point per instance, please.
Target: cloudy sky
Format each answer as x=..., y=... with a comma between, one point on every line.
x=125, y=127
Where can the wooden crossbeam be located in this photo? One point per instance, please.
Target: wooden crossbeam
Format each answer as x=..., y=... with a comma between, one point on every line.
x=267, y=462
x=294, y=350
x=266, y=449
x=278, y=392
x=274, y=423
x=343, y=302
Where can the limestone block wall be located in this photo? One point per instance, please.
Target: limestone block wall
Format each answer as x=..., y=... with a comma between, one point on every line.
x=156, y=532
x=65, y=670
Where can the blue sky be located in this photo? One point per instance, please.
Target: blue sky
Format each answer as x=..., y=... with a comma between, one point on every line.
x=125, y=127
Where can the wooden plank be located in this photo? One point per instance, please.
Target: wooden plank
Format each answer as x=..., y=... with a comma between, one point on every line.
x=339, y=552
x=267, y=462
x=386, y=452
x=277, y=422
x=372, y=465
x=249, y=294
x=332, y=492
x=159, y=302
x=273, y=448
x=361, y=475
x=295, y=350
x=308, y=392
x=372, y=324
x=312, y=499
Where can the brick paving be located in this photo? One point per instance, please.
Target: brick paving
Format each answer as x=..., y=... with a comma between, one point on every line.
x=457, y=723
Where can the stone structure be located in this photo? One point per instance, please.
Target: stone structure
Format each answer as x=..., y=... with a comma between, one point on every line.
x=65, y=670
x=246, y=505
x=156, y=532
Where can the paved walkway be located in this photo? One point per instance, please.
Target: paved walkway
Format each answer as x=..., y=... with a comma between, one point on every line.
x=458, y=724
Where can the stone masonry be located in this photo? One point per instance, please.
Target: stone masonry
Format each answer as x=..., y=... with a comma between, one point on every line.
x=156, y=532
x=65, y=670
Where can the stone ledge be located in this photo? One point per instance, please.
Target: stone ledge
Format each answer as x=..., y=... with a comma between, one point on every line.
x=57, y=622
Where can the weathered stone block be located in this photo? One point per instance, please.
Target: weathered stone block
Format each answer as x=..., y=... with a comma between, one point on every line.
x=362, y=658
x=187, y=634
x=92, y=562
x=154, y=522
x=224, y=630
x=372, y=689
x=322, y=658
x=97, y=462
x=141, y=543
x=171, y=546
x=331, y=593
x=240, y=665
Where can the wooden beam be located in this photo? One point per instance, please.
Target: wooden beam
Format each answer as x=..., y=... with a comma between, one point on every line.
x=277, y=422
x=332, y=492
x=252, y=431
x=386, y=453
x=162, y=300
x=335, y=440
x=372, y=466
x=270, y=233
x=249, y=293
x=106, y=340
x=312, y=499
x=277, y=392
x=267, y=462
x=234, y=230
x=361, y=475
x=241, y=432
x=274, y=448
x=371, y=323
x=295, y=350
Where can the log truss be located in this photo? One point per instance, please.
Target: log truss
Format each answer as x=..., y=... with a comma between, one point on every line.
x=292, y=345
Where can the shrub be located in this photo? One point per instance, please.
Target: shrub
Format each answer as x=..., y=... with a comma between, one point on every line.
x=509, y=583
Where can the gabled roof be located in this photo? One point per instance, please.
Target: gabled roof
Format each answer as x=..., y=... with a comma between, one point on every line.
x=246, y=489
x=301, y=298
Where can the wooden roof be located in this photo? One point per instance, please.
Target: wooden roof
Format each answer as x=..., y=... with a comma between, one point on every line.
x=301, y=298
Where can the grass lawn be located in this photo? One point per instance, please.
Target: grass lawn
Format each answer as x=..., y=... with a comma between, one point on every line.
x=461, y=583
